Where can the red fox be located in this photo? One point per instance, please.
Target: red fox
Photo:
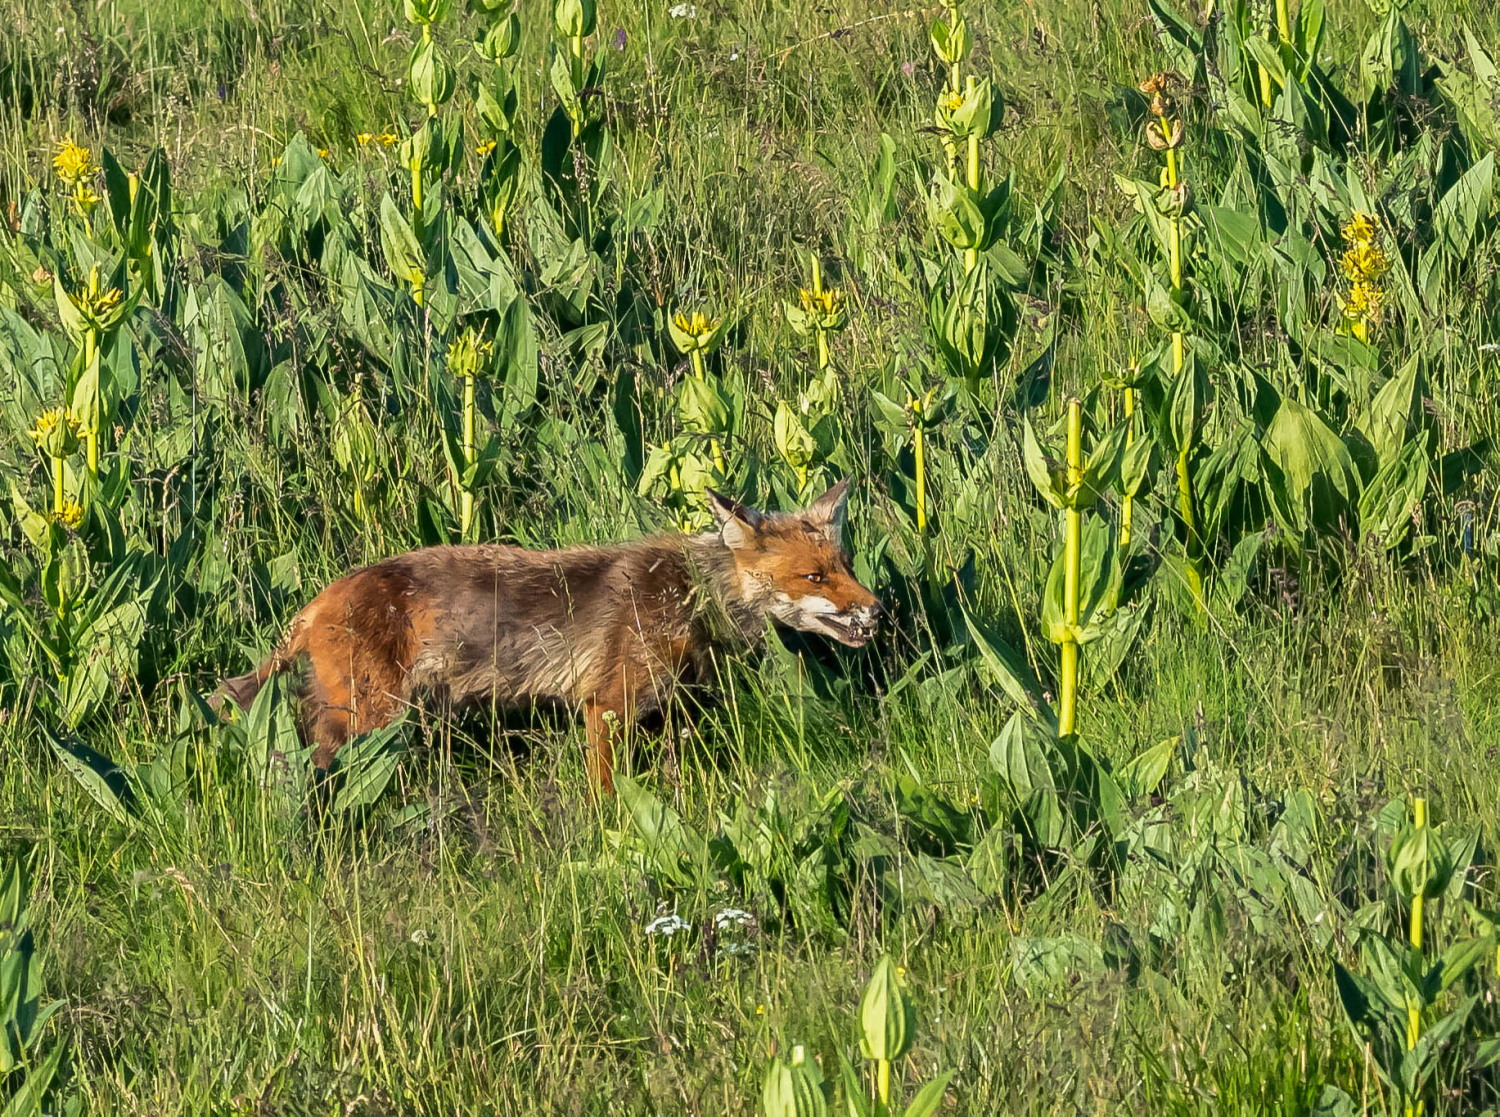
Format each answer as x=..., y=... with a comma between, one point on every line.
x=608, y=630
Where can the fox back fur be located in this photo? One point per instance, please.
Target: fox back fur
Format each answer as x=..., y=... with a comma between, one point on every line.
x=609, y=630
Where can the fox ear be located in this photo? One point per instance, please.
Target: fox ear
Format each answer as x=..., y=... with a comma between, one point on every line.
x=738, y=523
x=829, y=511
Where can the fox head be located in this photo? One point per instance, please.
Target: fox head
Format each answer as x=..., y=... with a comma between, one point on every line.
x=792, y=566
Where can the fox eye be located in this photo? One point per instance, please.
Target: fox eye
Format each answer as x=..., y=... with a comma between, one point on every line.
x=815, y=578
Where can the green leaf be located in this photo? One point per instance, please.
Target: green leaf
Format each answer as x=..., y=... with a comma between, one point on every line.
x=925, y=1101
x=403, y=252
x=366, y=765
x=887, y=1017
x=1458, y=215
x=671, y=847
x=102, y=778
x=1309, y=471
x=1046, y=474
x=1006, y=665
x=1143, y=773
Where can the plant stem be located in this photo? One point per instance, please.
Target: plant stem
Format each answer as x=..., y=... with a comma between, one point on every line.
x=91, y=364
x=919, y=453
x=822, y=348
x=1191, y=544
x=971, y=255
x=1283, y=21
x=59, y=485
x=883, y=1082
x=466, y=512
x=1127, y=505
x=1413, y=1008
x=1067, y=712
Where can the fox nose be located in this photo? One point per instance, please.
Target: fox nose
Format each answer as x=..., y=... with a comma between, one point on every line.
x=877, y=611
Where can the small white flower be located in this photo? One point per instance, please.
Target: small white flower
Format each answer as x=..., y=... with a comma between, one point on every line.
x=683, y=11
x=733, y=917
x=668, y=925
x=736, y=949
x=422, y=936
x=735, y=57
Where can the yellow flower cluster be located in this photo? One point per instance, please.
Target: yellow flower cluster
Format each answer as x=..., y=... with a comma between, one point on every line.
x=74, y=165
x=1364, y=264
x=72, y=162
x=696, y=326
x=70, y=515
x=825, y=304
x=384, y=139
x=484, y=148
x=57, y=432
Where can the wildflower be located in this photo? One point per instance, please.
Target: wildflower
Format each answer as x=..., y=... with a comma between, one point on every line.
x=619, y=40
x=388, y=139
x=485, y=148
x=952, y=101
x=696, y=326
x=1364, y=303
x=468, y=352
x=1364, y=263
x=668, y=925
x=69, y=515
x=364, y=138
x=57, y=432
x=41, y=277
x=760, y=1010
x=72, y=162
x=733, y=917
x=1361, y=228
x=324, y=153
x=683, y=11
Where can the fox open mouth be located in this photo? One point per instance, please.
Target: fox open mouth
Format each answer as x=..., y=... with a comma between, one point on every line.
x=846, y=630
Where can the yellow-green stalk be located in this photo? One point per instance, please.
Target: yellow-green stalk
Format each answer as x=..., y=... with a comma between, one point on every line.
x=1165, y=134
x=1067, y=706
x=919, y=455
x=1418, y=901
x=1127, y=505
x=819, y=331
x=971, y=255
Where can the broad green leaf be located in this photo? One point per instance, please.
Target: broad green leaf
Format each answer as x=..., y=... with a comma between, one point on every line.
x=1309, y=471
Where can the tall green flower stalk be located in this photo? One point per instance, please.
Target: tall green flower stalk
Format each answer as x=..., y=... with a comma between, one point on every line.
x=57, y=435
x=819, y=311
x=432, y=81
x=1067, y=706
x=951, y=42
x=1165, y=133
x=1127, y=502
x=468, y=353
x=1418, y=904
x=700, y=403
x=574, y=21
x=91, y=315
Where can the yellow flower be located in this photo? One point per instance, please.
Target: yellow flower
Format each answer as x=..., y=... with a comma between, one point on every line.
x=72, y=162
x=952, y=101
x=57, y=432
x=825, y=304
x=364, y=138
x=388, y=139
x=71, y=514
x=1364, y=303
x=485, y=148
x=1361, y=228
x=696, y=326
x=468, y=352
x=1364, y=263
x=85, y=196
x=324, y=153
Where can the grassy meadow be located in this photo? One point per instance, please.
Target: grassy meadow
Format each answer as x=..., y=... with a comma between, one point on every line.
x=1162, y=346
